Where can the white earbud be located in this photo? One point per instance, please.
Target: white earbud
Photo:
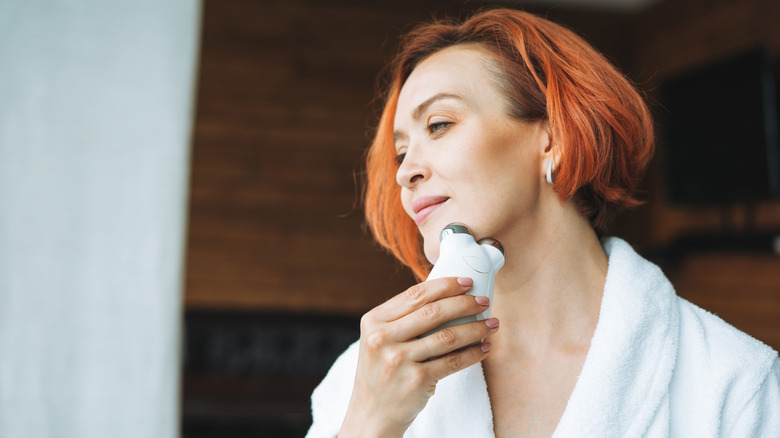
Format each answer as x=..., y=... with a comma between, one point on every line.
x=549, y=171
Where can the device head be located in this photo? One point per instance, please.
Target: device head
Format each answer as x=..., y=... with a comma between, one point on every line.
x=459, y=228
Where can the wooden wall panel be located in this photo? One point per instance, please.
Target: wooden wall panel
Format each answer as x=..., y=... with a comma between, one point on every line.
x=673, y=36
x=286, y=104
x=282, y=122
x=743, y=289
x=285, y=109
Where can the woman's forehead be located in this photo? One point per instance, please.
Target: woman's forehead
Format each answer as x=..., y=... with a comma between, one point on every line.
x=454, y=71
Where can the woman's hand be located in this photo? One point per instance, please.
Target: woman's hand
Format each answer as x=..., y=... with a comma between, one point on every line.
x=395, y=377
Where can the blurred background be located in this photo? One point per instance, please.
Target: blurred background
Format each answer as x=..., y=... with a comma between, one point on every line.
x=257, y=254
x=286, y=107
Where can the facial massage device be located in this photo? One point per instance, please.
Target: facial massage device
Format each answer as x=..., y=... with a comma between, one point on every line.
x=461, y=256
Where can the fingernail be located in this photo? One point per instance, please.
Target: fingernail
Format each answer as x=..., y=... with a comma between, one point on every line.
x=491, y=322
x=485, y=347
x=465, y=281
x=482, y=300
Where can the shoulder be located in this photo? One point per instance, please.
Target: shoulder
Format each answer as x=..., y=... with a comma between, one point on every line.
x=706, y=338
x=723, y=381
x=330, y=399
x=718, y=366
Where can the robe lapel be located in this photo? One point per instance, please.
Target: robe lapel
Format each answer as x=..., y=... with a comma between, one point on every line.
x=460, y=408
x=623, y=387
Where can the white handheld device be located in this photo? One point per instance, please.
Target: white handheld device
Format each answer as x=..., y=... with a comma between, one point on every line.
x=461, y=256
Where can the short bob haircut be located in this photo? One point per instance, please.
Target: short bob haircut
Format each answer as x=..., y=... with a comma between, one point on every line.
x=599, y=124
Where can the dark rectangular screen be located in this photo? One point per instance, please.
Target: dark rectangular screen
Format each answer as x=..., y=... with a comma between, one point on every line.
x=721, y=132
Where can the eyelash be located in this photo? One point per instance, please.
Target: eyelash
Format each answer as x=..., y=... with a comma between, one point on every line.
x=433, y=128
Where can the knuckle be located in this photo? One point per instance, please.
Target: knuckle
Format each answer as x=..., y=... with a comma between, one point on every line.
x=454, y=362
x=366, y=322
x=430, y=311
x=447, y=337
x=376, y=340
x=394, y=359
x=416, y=292
x=418, y=377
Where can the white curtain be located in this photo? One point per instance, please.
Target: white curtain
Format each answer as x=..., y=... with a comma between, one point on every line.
x=96, y=102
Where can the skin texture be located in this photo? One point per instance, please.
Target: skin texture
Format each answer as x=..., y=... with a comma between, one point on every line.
x=465, y=147
x=456, y=141
x=394, y=379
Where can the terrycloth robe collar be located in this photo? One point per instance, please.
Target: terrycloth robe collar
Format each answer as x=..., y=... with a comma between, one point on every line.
x=624, y=381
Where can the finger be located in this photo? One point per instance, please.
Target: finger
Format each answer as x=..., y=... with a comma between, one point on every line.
x=419, y=295
x=450, y=339
x=457, y=360
x=434, y=314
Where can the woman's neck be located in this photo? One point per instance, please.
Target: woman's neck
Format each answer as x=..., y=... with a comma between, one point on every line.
x=548, y=294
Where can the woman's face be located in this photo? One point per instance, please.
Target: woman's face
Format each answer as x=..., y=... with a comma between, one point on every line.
x=463, y=158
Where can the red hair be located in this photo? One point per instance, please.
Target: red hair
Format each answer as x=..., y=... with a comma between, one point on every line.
x=600, y=125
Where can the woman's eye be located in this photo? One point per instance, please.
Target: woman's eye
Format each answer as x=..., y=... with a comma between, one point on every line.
x=437, y=127
x=400, y=158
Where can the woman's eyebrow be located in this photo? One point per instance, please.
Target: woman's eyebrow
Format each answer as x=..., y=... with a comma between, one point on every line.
x=417, y=113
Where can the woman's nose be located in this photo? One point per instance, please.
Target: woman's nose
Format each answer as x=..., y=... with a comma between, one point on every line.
x=411, y=171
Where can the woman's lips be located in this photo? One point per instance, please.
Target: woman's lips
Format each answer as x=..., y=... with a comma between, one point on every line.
x=426, y=205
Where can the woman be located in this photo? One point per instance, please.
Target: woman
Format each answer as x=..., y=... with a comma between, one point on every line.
x=516, y=127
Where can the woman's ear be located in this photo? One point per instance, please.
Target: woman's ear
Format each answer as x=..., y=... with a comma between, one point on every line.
x=547, y=139
x=549, y=150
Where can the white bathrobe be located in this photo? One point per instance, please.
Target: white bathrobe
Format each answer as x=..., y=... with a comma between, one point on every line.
x=657, y=366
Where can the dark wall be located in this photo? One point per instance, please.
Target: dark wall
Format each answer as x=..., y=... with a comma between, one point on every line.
x=672, y=37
